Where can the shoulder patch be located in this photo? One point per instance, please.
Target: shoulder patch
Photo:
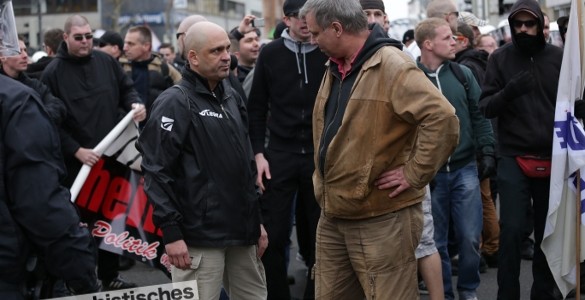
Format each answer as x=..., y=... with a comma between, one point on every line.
x=166, y=123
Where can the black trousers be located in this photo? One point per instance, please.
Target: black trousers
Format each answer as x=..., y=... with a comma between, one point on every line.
x=291, y=175
x=516, y=191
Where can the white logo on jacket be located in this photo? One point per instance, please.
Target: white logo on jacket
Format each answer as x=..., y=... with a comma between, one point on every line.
x=208, y=113
x=166, y=123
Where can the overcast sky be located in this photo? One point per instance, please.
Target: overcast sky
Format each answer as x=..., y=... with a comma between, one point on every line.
x=396, y=9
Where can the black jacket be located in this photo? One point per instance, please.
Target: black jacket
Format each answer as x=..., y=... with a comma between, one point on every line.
x=54, y=106
x=198, y=166
x=476, y=60
x=35, y=70
x=36, y=214
x=154, y=79
x=525, y=122
x=96, y=92
x=286, y=81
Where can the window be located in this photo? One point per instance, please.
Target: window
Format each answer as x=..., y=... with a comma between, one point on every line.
x=71, y=6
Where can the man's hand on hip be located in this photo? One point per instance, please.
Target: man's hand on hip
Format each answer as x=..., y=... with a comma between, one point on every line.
x=392, y=179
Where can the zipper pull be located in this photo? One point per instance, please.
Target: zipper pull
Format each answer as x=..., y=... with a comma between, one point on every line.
x=222, y=109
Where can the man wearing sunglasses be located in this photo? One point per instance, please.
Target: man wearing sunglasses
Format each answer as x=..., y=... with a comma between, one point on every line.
x=520, y=89
x=95, y=90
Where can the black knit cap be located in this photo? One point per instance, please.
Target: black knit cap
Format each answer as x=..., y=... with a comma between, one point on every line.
x=292, y=6
x=373, y=4
x=408, y=36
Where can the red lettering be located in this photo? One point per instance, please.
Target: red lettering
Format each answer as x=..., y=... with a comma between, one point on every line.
x=92, y=192
x=124, y=242
x=101, y=229
x=150, y=251
x=117, y=198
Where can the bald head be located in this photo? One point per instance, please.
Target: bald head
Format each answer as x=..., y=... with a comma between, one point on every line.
x=198, y=35
x=438, y=8
x=75, y=20
x=183, y=27
x=207, y=47
x=444, y=9
x=189, y=21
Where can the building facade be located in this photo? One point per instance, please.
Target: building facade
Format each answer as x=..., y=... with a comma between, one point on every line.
x=34, y=17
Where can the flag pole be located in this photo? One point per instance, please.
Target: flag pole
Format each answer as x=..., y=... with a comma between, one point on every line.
x=578, y=239
x=578, y=211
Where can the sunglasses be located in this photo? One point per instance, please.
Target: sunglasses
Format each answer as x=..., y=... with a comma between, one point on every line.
x=528, y=23
x=179, y=34
x=459, y=38
x=79, y=37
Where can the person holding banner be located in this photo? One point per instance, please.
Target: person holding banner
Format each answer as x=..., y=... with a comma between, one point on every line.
x=520, y=89
x=95, y=91
x=36, y=216
x=200, y=174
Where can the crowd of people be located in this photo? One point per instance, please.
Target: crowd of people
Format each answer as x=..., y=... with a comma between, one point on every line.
x=385, y=156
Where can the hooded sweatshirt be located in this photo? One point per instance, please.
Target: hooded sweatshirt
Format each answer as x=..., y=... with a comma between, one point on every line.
x=335, y=108
x=286, y=80
x=525, y=122
x=388, y=115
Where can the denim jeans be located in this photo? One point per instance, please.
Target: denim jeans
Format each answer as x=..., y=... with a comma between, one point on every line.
x=456, y=196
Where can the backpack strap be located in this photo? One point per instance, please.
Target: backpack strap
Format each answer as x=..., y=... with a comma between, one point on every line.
x=184, y=94
x=458, y=72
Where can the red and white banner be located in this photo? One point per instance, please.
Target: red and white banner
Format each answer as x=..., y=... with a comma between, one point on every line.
x=111, y=199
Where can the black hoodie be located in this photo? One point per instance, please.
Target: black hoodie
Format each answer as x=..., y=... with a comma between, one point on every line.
x=286, y=81
x=342, y=87
x=525, y=122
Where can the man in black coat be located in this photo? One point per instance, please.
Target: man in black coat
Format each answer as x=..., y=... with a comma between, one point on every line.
x=36, y=216
x=95, y=91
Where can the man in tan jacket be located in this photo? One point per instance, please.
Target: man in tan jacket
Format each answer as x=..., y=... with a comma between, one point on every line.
x=381, y=131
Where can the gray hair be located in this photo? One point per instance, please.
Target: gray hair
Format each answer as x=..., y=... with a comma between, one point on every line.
x=348, y=12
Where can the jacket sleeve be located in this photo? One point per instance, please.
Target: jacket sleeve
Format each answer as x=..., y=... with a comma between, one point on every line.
x=493, y=98
x=482, y=128
x=54, y=106
x=161, y=143
x=417, y=101
x=258, y=106
x=37, y=201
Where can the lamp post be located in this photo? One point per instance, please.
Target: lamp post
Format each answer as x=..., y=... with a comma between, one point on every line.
x=40, y=27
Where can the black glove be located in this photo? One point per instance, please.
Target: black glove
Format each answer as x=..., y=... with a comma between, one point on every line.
x=580, y=109
x=486, y=167
x=520, y=84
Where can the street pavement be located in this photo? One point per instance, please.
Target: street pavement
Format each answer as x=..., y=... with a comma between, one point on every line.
x=144, y=275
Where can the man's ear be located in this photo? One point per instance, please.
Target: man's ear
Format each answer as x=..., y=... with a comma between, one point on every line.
x=427, y=44
x=192, y=57
x=337, y=28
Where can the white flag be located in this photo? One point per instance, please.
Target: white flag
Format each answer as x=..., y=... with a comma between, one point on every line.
x=568, y=156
